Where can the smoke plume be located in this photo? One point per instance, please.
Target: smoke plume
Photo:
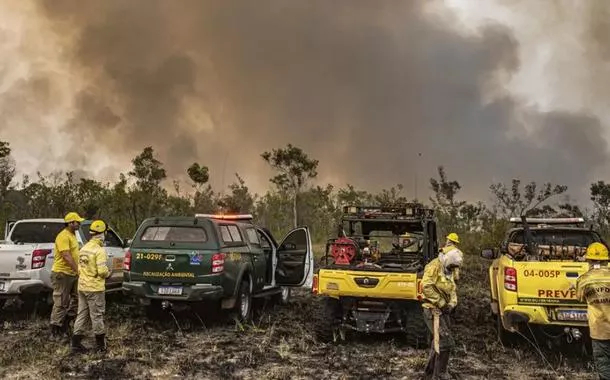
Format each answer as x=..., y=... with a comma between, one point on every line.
x=363, y=86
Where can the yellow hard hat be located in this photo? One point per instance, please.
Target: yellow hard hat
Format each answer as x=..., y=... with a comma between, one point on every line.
x=72, y=217
x=97, y=227
x=597, y=251
x=453, y=237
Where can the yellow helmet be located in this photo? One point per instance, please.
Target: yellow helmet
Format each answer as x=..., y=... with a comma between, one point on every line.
x=97, y=227
x=72, y=217
x=453, y=237
x=597, y=251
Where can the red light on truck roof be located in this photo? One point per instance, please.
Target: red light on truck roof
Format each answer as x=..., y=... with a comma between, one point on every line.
x=226, y=217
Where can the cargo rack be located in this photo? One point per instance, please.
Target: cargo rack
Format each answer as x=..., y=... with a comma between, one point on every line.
x=542, y=222
x=410, y=211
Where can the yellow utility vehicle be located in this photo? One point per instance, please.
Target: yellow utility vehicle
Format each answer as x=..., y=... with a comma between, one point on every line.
x=533, y=277
x=370, y=274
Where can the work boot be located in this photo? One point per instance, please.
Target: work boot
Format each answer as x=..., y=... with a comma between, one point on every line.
x=429, y=370
x=100, y=343
x=440, y=366
x=56, y=333
x=77, y=346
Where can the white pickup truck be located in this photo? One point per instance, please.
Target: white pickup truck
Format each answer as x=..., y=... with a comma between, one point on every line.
x=27, y=252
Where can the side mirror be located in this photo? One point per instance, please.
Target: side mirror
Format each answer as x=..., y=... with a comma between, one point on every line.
x=489, y=254
x=127, y=243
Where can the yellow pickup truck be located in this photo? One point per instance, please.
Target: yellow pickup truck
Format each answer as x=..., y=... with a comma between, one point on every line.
x=533, y=277
x=370, y=275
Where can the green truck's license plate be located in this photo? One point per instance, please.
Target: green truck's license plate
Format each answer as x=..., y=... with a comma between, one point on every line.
x=170, y=290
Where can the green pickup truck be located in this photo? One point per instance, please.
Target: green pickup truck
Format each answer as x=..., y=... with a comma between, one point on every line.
x=215, y=261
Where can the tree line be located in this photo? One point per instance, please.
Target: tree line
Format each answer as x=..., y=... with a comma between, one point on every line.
x=292, y=198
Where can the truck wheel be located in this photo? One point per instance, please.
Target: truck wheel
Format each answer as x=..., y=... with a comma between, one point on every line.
x=243, y=305
x=505, y=337
x=329, y=318
x=417, y=333
x=283, y=297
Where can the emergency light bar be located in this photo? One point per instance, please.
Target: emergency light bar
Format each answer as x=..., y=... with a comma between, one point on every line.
x=226, y=217
x=549, y=220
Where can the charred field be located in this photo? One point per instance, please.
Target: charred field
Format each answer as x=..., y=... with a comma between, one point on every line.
x=280, y=343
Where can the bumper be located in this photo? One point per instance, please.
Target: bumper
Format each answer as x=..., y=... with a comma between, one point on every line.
x=13, y=288
x=514, y=315
x=190, y=293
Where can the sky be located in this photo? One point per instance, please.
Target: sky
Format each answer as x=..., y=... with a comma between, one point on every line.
x=492, y=90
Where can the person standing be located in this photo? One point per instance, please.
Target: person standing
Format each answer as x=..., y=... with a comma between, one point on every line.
x=64, y=274
x=91, y=289
x=451, y=243
x=593, y=287
x=439, y=299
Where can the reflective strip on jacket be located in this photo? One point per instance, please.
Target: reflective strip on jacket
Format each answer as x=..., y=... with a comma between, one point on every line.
x=594, y=288
x=437, y=288
x=93, y=267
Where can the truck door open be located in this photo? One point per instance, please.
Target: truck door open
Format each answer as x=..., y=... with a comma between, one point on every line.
x=295, y=259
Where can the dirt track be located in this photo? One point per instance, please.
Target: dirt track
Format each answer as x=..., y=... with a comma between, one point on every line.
x=280, y=344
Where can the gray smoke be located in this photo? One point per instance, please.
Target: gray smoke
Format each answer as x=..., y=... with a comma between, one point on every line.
x=363, y=86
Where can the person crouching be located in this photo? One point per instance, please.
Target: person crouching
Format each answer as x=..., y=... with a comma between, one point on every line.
x=91, y=289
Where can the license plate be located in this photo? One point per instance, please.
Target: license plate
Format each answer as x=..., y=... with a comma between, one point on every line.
x=572, y=315
x=2, y=287
x=170, y=290
x=117, y=263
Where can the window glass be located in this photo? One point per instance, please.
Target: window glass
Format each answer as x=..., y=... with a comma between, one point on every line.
x=174, y=233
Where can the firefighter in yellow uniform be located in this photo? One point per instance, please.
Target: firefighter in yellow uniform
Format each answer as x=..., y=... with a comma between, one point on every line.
x=593, y=287
x=451, y=244
x=91, y=289
x=64, y=275
x=440, y=297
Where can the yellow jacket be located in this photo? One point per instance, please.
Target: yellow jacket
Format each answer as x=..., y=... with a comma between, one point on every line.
x=437, y=288
x=92, y=266
x=594, y=288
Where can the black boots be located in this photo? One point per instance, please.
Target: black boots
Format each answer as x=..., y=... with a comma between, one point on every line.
x=440, y=366
x=77, y=346
x=100, y=343
x=436, y=368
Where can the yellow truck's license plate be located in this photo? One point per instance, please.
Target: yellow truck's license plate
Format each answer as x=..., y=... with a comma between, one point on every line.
x=572, y=315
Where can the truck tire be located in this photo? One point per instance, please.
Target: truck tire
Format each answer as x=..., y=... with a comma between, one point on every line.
x=417, y=333
x=506, y=338
x=243, y=304
x=283, y=298
x=329, y=318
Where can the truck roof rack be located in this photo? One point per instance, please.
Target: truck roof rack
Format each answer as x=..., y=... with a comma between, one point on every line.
x=397, y=212
x=549, y=221
x=225, y=216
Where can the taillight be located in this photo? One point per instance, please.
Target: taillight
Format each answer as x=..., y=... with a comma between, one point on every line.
x=127, y=261
x=39, y=258
x=314, y=286
x=218, y=262
x=510, y=279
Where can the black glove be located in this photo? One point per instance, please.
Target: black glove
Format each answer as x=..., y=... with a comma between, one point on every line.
x=446, y=309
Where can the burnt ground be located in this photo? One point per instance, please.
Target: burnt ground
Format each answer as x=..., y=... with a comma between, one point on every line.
x=279, y=344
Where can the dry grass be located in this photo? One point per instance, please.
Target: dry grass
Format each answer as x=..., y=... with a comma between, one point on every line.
x=279, y=344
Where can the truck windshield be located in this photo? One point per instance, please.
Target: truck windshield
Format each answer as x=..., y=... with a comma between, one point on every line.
x=35, y=232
